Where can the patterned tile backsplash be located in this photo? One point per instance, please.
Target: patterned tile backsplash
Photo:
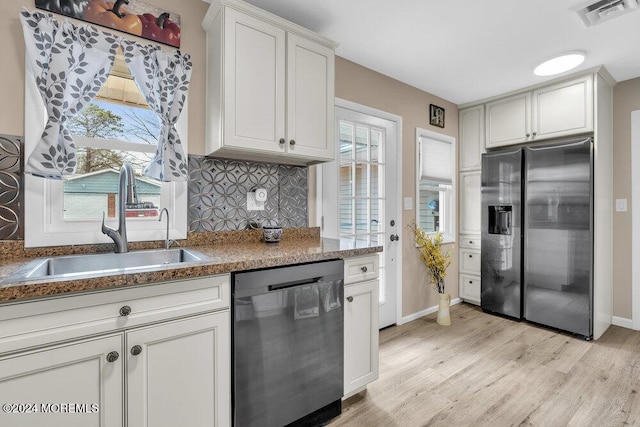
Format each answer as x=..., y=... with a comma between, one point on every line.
x=218, y=194
x=11, y=193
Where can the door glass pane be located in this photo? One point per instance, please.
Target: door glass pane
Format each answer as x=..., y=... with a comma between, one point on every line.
x=376, y=183
x=362, y=143
x=376, y=219
x=346, y=187
x=376, y=137
x=362, y=180
x=346, y=216
x=362, y=216
x=346, y=141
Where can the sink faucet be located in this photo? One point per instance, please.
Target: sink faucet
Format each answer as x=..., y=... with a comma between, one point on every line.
x=167, y=242
x=126, y=195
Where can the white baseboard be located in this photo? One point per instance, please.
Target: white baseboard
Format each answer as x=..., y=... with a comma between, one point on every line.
x=622, y=322
x=426, y=311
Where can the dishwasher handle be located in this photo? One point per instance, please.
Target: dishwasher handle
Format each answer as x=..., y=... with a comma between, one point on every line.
x=280, y=286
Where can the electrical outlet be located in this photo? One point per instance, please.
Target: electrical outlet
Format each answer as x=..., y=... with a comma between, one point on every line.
x=408, y=203
x=252, y=203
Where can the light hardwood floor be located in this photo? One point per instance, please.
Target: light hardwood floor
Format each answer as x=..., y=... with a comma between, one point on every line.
x=485, y=370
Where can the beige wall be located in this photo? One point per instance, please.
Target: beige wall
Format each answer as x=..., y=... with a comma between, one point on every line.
x=364, y=86
x=12, y=52
x=626, y=98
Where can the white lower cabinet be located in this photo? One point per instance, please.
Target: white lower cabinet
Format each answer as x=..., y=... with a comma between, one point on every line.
x=38, y=387
x=470, y=274
x=178, y=373
x=163, y=360
x=361, y=302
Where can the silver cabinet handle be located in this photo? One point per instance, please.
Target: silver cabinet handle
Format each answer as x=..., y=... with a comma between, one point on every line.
x=363, y=268
x=136, y=350
x=292, y=142
x=112, y=356
x=350, y=299
x=125, y=310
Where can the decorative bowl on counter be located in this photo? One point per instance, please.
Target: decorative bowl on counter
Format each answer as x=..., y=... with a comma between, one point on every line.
x=271, y=234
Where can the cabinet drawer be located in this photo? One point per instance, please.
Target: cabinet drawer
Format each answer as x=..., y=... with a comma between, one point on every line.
x=31, y=324
x=470, y=288
x=469, y=241
x=361, y=268
x=470, y=261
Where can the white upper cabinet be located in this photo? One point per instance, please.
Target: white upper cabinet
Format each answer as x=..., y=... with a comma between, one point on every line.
x=254, y=70
x=270, y=87
x=471, y=138
x=564, y=108
x=509, y=120
x=557, y=110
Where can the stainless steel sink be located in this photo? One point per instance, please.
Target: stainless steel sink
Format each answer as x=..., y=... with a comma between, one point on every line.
x=79, y=266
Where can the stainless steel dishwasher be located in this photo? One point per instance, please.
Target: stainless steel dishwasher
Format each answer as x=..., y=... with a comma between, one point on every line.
x=288, y=345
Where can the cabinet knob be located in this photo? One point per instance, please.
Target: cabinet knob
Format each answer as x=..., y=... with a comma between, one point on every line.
x=394, y=237
x=528, y=135
x=112, y=356
x=350, y=299
x=282, y=141
x=136, y=350
x=534, y=134
x=470, y=256
x=471, y=242
x=363, y=268
x=125, y=310
x=292, y=142
x=471, y=282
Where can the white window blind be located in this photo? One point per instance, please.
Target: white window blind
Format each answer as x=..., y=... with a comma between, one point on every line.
x=436, y=162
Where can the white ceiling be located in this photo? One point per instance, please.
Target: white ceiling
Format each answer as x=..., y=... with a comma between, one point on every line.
x=465, y=50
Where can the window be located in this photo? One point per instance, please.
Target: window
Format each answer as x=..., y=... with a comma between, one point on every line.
x=435, y=210
x=116, y=127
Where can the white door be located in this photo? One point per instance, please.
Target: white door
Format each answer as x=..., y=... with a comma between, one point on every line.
x=178, y=373
x=360, y=196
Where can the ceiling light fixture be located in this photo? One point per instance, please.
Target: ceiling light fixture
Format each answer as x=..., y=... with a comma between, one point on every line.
x=560, y=64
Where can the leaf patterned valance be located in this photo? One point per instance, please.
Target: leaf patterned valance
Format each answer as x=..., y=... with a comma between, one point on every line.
x=71, y=63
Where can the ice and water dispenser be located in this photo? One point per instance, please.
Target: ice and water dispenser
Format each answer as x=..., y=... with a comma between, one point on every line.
x=500, y=219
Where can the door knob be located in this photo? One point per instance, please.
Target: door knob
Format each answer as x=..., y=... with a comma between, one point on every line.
x=112, y=356
x=394, y=237
x=136, y=350
x=125, y=310
x=350, y=299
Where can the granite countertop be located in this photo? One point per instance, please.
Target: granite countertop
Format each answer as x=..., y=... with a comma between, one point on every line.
x=229, y=252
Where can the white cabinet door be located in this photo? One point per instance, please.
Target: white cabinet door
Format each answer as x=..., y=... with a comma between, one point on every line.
x=181, y=375
x=563, y=109
x=508, y=121
x=471, y=138
x=360, y=335
x=470, y=288
x=77, y=375
x=470, y=261
x=310, y=98
x=470, y=202
x=254, y=83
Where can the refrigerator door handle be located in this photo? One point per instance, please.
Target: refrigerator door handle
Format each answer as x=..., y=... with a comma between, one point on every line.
x=574, y=143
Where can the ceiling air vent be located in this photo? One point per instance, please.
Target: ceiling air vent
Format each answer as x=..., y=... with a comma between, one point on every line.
x=596, y=12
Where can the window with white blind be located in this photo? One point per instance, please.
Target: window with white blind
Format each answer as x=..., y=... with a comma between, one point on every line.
x=435, y=172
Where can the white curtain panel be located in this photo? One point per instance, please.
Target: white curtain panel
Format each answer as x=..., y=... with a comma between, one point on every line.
x=163, y=78
x=69, y=63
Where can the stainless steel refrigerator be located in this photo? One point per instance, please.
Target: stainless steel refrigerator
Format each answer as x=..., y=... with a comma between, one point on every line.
x=537, y=234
